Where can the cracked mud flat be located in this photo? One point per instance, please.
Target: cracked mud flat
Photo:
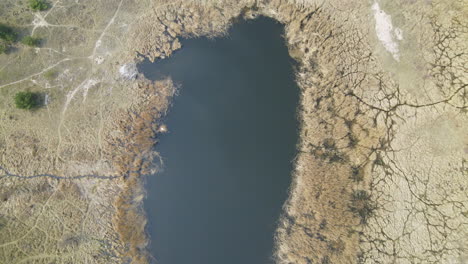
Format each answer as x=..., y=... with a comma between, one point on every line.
x=381, y=175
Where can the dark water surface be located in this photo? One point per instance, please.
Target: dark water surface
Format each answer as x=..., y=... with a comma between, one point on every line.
x=227, y=158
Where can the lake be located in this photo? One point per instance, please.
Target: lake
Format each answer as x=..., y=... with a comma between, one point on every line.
x=229, y=151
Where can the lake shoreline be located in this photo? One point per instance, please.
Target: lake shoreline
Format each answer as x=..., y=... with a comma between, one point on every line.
x=335, y=207
x=237, y=98
x=287, y=221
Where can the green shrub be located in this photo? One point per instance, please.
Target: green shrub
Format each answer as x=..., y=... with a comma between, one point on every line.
x=26, y=100
x=38, y=5
x=7, y=34
x=3, y=47
x=31, y=41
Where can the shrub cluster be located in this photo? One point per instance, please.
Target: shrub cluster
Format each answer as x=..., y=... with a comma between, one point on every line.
x=26, y=100
x=7, y=33
x=38, y=5
x=7, y=36
x=31, y=41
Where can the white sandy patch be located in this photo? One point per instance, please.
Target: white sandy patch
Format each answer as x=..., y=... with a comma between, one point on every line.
x=387, y=35
x=128, y=71
x=86, y=87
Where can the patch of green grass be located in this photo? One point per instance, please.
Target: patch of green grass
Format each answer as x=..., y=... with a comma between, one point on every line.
x=31, y=41
x=51, y=75
x=26, y=100
x=38, y=5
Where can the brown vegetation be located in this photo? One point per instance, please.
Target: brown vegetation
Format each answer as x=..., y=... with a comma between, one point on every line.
x=133, y=151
